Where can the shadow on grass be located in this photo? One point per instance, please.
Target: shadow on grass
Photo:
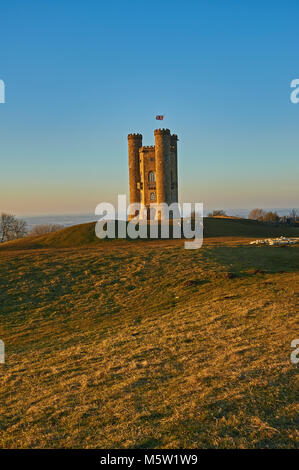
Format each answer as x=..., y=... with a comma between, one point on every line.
x=243, y=261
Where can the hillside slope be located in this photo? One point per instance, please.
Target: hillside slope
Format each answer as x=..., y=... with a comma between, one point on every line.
x=84, y=234
x=104, y=348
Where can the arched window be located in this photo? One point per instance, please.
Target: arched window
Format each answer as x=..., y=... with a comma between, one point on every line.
x=153, y=197
x=151, y=177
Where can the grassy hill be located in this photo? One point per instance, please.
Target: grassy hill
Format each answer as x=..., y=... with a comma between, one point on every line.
x=84, y=234
x=148, y=345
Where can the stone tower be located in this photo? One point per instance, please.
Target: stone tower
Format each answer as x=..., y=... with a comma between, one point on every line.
x=153, y=171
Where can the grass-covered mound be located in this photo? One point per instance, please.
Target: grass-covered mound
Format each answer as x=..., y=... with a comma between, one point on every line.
x=84, y=234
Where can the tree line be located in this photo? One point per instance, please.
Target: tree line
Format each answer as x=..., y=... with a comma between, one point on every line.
x=264, y=216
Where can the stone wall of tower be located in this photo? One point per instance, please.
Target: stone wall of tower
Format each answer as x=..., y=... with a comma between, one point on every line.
x=147, y=165
x=134, y=144
x=163, y=165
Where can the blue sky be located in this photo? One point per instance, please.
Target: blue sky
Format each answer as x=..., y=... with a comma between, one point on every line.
x=81, y=75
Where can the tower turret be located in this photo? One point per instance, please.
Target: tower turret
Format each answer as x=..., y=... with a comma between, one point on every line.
x=162, y=157
x=134, y=144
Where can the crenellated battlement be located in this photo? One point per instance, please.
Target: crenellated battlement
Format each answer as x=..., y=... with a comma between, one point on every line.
x=134, y=136
x=162, y=132
x=147, y=148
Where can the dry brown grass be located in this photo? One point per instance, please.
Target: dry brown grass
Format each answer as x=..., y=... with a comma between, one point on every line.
x=149, y=345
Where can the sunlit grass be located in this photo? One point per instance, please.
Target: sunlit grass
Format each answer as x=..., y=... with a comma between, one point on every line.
x=149, y=345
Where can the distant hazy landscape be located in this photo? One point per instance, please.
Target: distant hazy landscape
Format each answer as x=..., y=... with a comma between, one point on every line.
x=73, y=219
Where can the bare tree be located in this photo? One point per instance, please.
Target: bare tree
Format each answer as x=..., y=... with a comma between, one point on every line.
x=19, y=228
x=11, y=227
x=43, y=229
x=294, y=215
x=257, y=214
x=5, y=227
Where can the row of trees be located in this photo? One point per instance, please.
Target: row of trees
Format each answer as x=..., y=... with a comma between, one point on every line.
x=273, y=217
x=42, y=229
x=12, y=228
x=264, y=216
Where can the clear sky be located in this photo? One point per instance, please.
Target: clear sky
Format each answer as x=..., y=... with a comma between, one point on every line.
x=81, y=74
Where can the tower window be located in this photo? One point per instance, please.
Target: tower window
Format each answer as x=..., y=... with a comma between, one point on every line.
x=153, y=196
x=151, y=177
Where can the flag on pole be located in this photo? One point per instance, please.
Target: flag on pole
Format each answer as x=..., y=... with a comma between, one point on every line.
x=160, y=117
